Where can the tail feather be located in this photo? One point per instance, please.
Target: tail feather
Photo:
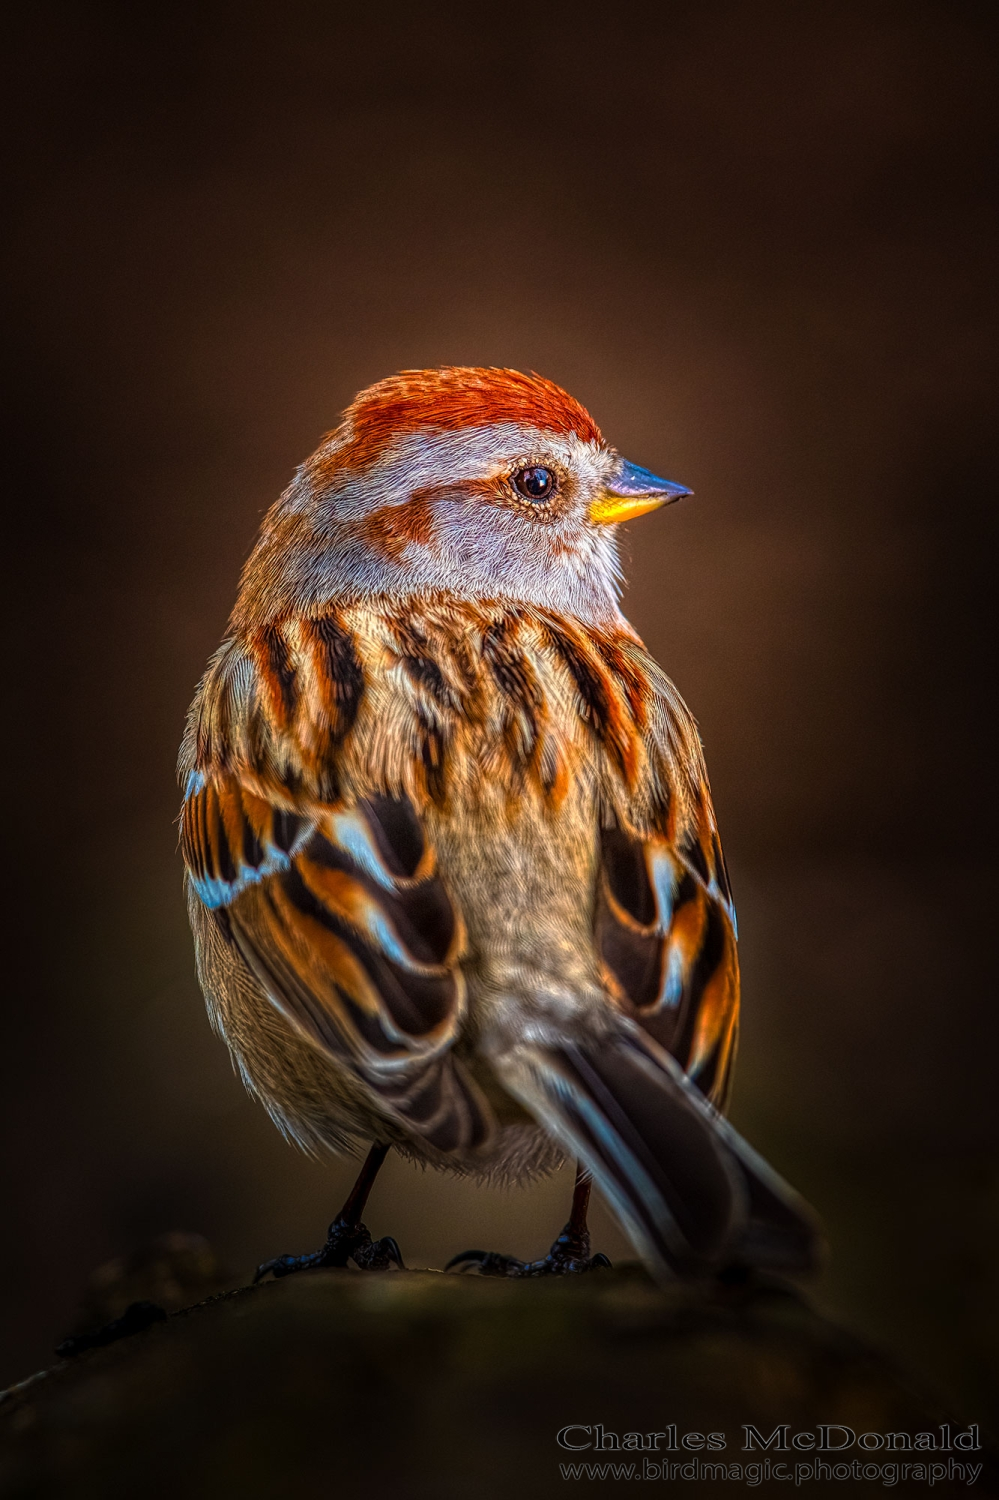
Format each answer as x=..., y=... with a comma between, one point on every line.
x=781, y=1231
x=691, y=1193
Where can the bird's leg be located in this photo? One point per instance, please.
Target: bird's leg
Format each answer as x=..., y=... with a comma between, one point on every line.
x=347, y=1238
x=569, y=1255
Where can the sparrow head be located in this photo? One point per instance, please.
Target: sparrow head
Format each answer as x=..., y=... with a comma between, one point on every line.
x=482, y=483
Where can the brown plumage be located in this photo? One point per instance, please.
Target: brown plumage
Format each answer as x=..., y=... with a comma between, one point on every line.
x=455, y=878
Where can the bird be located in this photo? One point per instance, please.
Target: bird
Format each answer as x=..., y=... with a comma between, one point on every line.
x=453, y=868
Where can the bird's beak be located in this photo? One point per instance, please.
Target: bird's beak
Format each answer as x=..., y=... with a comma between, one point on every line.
x=633, y=492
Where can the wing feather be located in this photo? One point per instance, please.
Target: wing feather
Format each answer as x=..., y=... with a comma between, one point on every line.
x=342, y=919
x=666, y=935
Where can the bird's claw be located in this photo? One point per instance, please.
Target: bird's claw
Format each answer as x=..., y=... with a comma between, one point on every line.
x=486, y=1262
x=378, y=1255
x=569, y=1256
x=344, y=1242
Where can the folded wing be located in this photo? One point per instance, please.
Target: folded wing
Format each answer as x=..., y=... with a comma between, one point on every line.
x=666, y=937
x=344, y=922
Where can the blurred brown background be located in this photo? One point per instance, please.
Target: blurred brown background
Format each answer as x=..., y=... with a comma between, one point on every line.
x=759, y=241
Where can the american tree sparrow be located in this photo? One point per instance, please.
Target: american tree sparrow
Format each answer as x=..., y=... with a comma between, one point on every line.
x=453, y=869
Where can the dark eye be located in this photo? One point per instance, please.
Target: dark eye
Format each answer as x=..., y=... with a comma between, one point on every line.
x=535, y=483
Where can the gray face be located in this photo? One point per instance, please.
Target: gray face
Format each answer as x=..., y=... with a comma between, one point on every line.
x=492, y=512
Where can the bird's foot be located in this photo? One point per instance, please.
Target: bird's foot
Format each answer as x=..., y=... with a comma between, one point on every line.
x=568, y=1256
x=344, y=1241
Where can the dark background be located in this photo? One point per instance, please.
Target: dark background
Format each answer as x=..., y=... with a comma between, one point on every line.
x=759, y=242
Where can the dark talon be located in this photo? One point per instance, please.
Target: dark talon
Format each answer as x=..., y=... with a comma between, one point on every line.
x=344, y=1242
x=347, y=1238
x=378, y=1255
x=569, y=1256
x=282, y=1265
x=488, y=1262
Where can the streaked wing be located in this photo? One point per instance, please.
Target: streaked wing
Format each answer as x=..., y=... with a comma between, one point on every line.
x=344, y=922
x=666, y=935
x=665, y=929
